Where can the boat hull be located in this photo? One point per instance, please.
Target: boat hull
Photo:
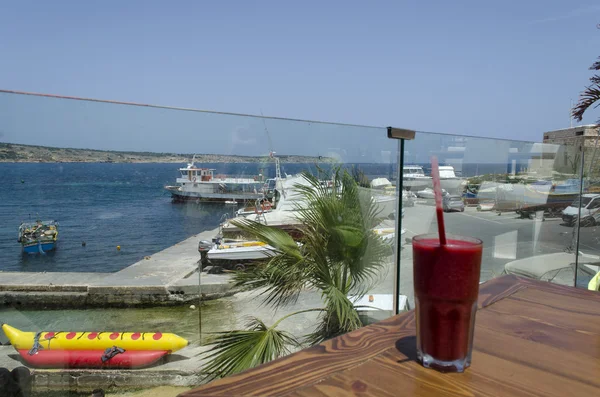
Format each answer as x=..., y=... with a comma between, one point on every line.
x=39, y=247
x=240, y=254
x=91, y=358
x=453, y=185
x=183, y=196
x=415, y=184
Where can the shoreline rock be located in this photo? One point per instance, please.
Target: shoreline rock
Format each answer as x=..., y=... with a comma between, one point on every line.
x=18, y=153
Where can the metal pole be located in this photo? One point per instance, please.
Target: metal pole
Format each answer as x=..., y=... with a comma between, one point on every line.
x=579, y=214
x=399, y=189
x=402, y=134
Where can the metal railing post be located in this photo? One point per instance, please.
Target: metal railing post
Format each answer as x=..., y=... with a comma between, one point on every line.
x=402, y=135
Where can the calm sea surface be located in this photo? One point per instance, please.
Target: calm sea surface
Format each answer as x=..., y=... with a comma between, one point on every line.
x=104, y=205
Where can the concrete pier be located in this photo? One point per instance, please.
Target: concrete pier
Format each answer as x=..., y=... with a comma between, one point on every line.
x=169, y=277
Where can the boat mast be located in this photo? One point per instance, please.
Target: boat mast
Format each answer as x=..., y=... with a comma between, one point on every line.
x=193, y=161
x=272, y=155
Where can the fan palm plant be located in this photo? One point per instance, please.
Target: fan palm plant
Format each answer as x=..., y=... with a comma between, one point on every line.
x=589, y=96
x=338, y=255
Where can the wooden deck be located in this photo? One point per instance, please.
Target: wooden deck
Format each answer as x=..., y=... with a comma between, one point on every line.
x=531, y=339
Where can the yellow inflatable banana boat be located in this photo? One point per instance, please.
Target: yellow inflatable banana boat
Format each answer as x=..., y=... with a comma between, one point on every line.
x=93, y=340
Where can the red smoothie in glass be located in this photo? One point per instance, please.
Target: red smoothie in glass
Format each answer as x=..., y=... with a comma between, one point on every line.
x=446, y=281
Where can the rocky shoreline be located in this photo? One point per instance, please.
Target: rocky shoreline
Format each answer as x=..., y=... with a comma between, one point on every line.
x=18, y=153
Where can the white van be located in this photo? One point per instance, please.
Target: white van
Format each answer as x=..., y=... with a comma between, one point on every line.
x=590, y=210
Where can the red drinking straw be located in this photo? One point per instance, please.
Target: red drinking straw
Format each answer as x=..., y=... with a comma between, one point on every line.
x=437, y=189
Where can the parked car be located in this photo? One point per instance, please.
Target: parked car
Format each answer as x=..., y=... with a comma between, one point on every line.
x=453, y=203
x=590, y=210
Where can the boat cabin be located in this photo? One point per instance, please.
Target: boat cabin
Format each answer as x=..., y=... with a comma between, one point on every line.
x=197, y=174
x=413, y=170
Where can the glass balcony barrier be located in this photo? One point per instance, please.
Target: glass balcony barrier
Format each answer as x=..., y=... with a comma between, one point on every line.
x=176, y=230
x=522, y=199
x=213, y=242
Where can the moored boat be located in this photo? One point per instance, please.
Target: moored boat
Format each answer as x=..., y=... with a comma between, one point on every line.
x=38, y=237
x=201, y=184
x=240, y=252
x=449, y=181
x=414, y=178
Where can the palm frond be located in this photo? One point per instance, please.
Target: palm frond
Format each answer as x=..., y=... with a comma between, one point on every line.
x=339, y=254
x=336, y=227
x=340, y=316
x=276, y=238
x=286, y=273
x=596, y=65
x=586, y=99
x=283, y=278
x=239, y=350
x=338, y=303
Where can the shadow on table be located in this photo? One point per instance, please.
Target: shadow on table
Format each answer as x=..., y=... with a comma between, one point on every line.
x=408, y=347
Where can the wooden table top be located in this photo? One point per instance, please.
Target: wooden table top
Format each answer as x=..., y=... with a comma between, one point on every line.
x=531, y=339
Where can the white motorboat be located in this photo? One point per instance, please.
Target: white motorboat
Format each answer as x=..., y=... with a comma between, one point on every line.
x=201, y=184
x=413, y=178
x=259, y=207
x=283, y=215
x=380, y=183
x=240, y=251
x=450, y=182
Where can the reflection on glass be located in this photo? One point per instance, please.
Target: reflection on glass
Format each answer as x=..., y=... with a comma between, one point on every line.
x=149, y=202
x=520, y=198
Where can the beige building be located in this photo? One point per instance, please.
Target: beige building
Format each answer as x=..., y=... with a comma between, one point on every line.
x=569, y=141
x=574, y=136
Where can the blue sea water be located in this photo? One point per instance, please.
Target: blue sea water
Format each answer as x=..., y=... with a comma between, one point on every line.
x=105, y=205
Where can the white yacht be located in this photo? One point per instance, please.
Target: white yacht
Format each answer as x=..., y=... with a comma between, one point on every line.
x=284, y=213
x=202, y=184
x=414, y=179
x=449, y=181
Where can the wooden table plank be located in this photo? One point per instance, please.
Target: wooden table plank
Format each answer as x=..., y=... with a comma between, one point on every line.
x=531, y=368
x=568, y=319
x=531, y=339
x=552, y=360
x=547, y=334
x=558, y=301
x=557, y=289
x=498, y=289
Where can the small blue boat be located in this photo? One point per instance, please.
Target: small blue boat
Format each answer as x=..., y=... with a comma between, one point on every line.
x=38, y=237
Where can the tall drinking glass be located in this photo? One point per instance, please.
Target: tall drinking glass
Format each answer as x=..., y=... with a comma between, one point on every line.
x=446, y=280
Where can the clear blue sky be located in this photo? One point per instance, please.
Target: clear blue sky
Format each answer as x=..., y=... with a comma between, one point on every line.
x=499, y=69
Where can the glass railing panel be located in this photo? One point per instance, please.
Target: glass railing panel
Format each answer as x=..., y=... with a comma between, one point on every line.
x=509, y=194
x=584, y=151
x=131, y=215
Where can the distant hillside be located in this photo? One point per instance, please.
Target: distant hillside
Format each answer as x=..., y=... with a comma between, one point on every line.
x=16, y=153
